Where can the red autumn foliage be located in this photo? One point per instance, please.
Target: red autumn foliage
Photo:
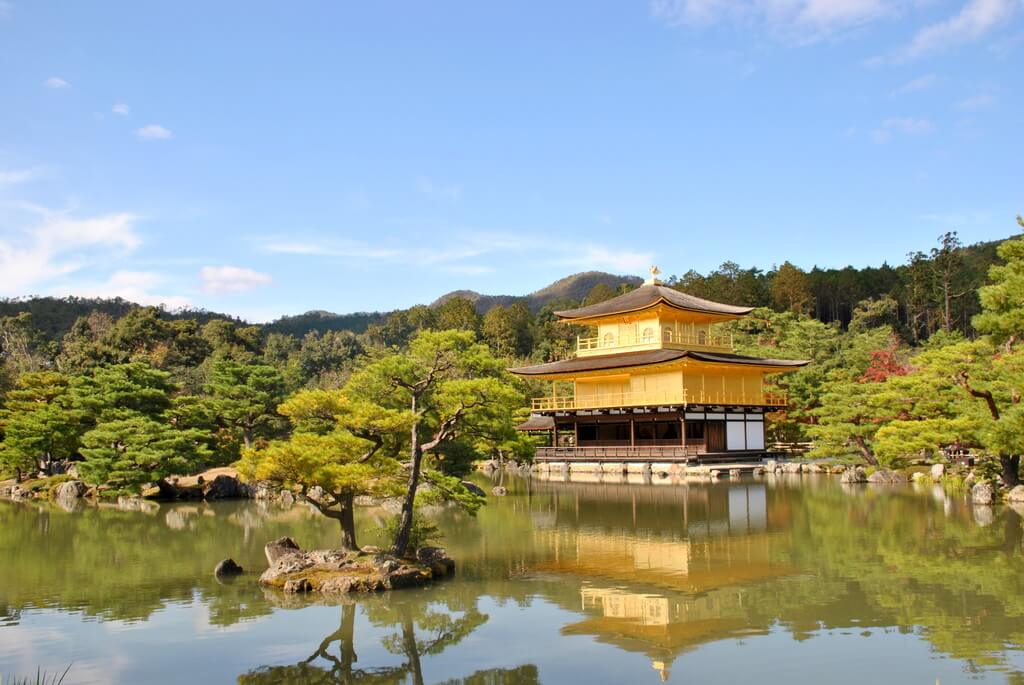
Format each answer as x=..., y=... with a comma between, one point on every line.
x=884, y=364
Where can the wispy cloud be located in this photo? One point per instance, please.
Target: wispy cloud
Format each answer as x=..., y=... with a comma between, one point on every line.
x=451, y=192
x=135, y=286
x=917, y=84
x=10, y=177
x=975, y=19
x=218, y=280
x=56, y=82
x=121, y=108
x=797, y=20
x=59, y=245
x=153, y=132
x=981, y=101
x=901, y=126
x=473, y=253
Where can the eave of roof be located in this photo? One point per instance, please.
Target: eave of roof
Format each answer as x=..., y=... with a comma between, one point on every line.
x=648, y=358
x=647, y=296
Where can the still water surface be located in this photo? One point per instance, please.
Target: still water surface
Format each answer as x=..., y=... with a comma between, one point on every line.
x=773, y=581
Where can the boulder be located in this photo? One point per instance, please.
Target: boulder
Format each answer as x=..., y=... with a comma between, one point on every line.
x=262, y=490
x=758, y=471
x=73, y=489
x=837, y=469
x=315, y=493
x=856, y=474
x=792, y=467
x=812, y=468
x=499, y=491
x=919, y=476
x=227, y=567
x=887, y=476
x=938, y=471
x=474, y=488
x=715, y=473
x=734, y=473
x=223, y=487
x=281, y=547
x=287, y=498
x=1016, y=494
x=338, y=571
x=983, y=493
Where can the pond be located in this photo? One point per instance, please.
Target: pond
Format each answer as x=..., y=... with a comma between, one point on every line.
x=778, y=580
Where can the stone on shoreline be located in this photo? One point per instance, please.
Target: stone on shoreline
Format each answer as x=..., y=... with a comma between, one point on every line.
x=856, y=474
x=887, y=476
x=938, y=471
x=1016, y=494
x=73, y=489
x=283, y=546
x=983, y=493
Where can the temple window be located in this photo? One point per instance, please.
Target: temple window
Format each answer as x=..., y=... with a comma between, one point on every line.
x=608, y=340
x=648, y=335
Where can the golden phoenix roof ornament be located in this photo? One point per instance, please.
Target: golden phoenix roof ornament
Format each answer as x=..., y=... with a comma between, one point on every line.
x=653, y=280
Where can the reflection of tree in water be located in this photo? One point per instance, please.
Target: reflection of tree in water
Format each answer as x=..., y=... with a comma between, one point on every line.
x=422, y=629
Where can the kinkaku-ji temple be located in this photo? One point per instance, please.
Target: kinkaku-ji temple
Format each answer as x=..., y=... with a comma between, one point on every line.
x=657, y=379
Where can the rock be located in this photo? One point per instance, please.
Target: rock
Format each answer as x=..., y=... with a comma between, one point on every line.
x=73, y=489
x=499, y=491
x=715, y=473
x=261, y=489
x=734, y=473
x=372, y=549
x=474, y=488
x=812, y=468
x=200, y=480
x=792, y=467
x=227, y=567
x=938, y=471
x=298, y=585
x=281, y=547
x=437, y=559
x=222, y=487
x=919, y=476
x=837, y=469
x=315, y=493
x=758, y=471
x=983, y=493
x=887, y=476
x=1016, y=494
x=151, y=493
x=854, y=475
x=72, y=471
x=287, y=498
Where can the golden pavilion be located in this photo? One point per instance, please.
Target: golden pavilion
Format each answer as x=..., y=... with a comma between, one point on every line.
x=657, y=379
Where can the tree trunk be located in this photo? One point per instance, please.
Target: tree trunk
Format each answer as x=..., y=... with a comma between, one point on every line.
x=347, y=519
x=247, y=437
x=1011, y=470
x=865, y=451
x=401, y=542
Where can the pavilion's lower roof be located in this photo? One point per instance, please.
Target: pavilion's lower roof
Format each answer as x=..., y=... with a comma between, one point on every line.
x=648, y=358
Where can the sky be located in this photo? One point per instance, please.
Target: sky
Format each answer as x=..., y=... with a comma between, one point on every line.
x=263, y=159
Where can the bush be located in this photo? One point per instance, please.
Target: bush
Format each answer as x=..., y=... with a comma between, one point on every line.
x=422, y=532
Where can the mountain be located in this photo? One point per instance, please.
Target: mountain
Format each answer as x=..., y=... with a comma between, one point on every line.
x=574, y=288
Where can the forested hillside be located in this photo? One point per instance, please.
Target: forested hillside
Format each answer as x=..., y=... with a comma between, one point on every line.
x=901, y=356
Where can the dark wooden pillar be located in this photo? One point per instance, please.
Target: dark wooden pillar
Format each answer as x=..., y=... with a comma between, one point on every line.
x=632, y=432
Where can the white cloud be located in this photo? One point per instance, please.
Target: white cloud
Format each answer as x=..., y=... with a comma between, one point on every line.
x=231, y=279
x=901, y=125
x=10, y=177
x=120, y=108
x=974, y=20
x=450, y=192
x=56, y=82
x=472, y=254
x=981, y=101
x=60, y=245
x=914, y=85
x=799, y=20
x=135, y=286
x=153, y=132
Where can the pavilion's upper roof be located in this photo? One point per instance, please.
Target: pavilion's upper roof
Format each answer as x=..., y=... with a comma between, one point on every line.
x=649, y=357
x=649, y=295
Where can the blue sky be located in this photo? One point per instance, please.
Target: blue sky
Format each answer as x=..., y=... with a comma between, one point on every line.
x=271, y=158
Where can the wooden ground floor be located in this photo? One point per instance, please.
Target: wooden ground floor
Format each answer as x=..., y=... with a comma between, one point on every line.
x=661, y=434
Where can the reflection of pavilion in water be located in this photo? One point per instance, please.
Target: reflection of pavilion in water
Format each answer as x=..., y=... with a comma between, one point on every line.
x=678, y=578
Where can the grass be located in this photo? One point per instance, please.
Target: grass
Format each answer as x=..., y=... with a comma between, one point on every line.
x=41, y=678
